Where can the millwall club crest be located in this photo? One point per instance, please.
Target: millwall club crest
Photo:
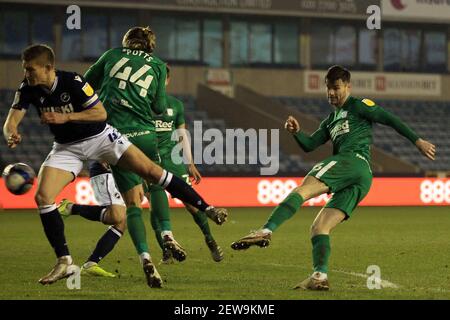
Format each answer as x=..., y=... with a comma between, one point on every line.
x=65, y=97
x=170, y=112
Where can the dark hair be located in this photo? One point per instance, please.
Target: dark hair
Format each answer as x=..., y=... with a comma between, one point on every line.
x=140, y=38
x=337, y=72
x=39, y=51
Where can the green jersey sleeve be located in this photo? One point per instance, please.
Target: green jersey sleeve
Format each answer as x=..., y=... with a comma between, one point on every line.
x=94, y=75
x=373, y=112
x=319, y=137
x=160, y=103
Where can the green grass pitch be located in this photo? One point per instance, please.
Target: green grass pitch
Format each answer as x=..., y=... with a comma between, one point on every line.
x=410, y=245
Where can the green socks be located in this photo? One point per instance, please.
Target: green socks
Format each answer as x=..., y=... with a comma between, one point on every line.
x=321, y=252
x=201, y=220
x=156, y=228
x=284, y=211
x=136, y=229
x=160, y=207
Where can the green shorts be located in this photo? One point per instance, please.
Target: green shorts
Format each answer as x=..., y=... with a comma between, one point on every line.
x=146, y=141
x=349, y=178
x=178, y=170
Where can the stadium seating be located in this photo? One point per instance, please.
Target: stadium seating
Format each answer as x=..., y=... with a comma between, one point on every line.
x=289, y=164
x=430, y=119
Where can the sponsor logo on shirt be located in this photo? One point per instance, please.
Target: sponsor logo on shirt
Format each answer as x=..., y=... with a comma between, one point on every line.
x=162, y=126
x=343, y=115
x=87, y=89
x=368, y=102
x=136, y=133
x=339, y=129
x=65, y=97
x=68, y=108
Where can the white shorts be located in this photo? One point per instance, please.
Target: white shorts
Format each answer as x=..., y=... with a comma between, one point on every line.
x=108, y=146
x=105, y=190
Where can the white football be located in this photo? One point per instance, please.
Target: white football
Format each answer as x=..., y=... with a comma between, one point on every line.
x=19, y=178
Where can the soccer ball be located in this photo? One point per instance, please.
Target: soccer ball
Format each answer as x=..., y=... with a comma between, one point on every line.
x=19, y=178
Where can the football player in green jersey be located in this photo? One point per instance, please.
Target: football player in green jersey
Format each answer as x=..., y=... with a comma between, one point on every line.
x=131, y=85
x=346, y=174
x=166, y=123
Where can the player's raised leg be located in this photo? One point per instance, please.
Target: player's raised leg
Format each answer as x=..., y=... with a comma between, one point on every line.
x=51, y=181
x=310, y=188
x=326, y=220
x=135, y=160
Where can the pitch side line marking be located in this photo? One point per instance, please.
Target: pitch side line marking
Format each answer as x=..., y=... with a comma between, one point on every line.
x=384, y=283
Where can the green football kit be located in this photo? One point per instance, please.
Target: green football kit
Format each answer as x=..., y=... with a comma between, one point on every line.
x=132, y=88
x=131, y=85
x=347, y=173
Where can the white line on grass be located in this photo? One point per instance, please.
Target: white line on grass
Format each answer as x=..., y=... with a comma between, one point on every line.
x=384, y=283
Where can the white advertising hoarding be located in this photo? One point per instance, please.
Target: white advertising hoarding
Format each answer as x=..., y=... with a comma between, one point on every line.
x=423, y=9
x=408, y=84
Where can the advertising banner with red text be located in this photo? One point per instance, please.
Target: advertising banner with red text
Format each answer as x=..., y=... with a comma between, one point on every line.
x=262, y=192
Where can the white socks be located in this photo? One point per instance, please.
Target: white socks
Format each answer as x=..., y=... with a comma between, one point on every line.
x=144, y=256
x=319, y=275
x=167, y=233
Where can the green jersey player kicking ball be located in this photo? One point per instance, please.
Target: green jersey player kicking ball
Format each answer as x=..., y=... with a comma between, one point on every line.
x=346, y=174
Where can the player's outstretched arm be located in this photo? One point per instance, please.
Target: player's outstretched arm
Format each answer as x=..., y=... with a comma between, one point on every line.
x=12, y=136
x=426, y=148
x=306, y=142
x=379, y=115
x=95, y=114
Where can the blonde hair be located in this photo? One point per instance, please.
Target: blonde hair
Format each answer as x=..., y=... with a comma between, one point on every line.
x=140, y=38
